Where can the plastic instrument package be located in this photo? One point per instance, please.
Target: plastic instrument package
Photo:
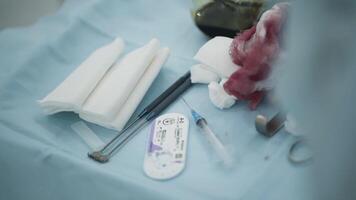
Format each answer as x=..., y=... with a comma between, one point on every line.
x=166, y=148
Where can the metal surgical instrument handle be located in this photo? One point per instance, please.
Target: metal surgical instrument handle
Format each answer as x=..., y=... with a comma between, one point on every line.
x=149, y=113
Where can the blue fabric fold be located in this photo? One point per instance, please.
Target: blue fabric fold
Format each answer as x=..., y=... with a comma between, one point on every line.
x=42, y=158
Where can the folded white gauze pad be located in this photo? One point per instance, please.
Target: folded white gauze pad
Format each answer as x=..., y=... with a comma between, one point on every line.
x=140, y=90
x=71, y=94
x=112, y=92
x=215, y=54
x=116, y=96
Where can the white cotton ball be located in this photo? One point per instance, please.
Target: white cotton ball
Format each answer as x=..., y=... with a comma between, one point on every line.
x=200, y=73
x=219, y=97
x=215, y=54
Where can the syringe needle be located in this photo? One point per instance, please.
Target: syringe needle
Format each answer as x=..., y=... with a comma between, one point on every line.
x=218, y=147
x=186, y=104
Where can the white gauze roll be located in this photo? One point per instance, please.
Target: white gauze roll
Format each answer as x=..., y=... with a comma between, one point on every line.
x=71, y=94
x=107, y=99
x=139, y=92
x=215, y=54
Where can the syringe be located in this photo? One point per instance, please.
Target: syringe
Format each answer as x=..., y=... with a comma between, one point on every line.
x=218, y=147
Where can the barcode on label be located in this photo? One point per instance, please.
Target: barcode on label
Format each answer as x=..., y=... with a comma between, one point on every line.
x=179, y=155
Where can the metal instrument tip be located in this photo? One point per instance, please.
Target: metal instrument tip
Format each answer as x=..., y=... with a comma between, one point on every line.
x=185, y=102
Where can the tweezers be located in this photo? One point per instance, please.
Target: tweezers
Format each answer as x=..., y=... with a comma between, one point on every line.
x=147, y=114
